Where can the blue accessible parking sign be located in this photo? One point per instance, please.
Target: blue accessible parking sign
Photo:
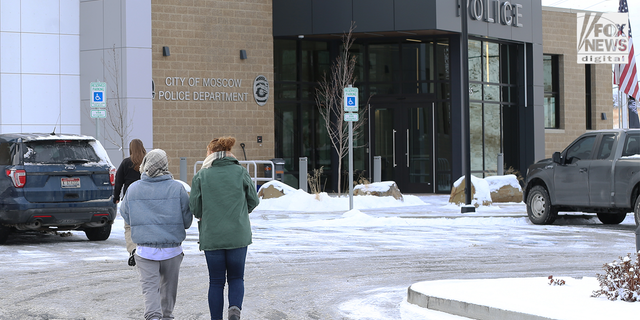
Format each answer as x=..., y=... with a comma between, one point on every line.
x=97, y=96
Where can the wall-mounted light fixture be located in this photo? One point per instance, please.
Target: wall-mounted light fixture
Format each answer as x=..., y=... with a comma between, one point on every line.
x=165, y=51
x=243, y=54
x=603, y=116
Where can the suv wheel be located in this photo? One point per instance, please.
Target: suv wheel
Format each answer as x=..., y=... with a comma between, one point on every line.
x=99, y=233
x=539, y=207
x=612, y=218
x=4, y=234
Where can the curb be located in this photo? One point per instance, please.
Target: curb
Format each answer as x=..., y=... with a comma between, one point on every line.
x=465, y=309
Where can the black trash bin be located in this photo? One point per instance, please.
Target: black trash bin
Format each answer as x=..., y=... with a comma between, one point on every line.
x=279, y=168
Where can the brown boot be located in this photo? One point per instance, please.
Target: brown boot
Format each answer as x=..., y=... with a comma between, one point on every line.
x=234, y=313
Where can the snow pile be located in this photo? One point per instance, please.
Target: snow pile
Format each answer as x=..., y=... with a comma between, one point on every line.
x=483, y=191
x=280, y=186
x=300, y=201
x=497, y=182
x=383, y=186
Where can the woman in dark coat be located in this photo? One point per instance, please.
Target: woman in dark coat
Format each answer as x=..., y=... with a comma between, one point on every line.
x=128, y=173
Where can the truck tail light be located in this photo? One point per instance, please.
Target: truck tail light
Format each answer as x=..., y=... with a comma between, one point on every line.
x=112, y=176
x=18, y=177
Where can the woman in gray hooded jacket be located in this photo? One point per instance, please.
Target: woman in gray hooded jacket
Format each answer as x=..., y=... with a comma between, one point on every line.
x=157, y=209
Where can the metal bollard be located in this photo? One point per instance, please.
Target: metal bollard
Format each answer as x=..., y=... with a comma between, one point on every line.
x=302, y=181
x=377, y=169
x=500, y=164
x=183, y=169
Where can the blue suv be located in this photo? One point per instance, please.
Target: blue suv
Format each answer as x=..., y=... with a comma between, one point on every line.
x=55, y=182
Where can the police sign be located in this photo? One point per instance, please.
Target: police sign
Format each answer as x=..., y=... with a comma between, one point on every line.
x=98, y=94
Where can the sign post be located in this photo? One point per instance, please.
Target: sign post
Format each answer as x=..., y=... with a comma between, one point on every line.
x=98, y=101
x=350, y=99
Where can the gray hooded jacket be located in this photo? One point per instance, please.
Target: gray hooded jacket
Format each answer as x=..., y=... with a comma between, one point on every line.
x=157, y=209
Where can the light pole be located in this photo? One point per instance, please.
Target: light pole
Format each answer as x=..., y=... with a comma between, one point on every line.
x=464, y=64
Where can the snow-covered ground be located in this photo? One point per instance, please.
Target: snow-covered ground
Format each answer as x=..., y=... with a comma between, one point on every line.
x=301, y=225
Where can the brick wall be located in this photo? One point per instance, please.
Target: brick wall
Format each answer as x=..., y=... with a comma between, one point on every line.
x=559, y=38
x=204, y=39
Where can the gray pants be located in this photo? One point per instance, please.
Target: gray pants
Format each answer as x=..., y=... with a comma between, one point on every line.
x=159, y=280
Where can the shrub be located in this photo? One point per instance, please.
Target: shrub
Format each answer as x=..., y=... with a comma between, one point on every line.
x=621, y=280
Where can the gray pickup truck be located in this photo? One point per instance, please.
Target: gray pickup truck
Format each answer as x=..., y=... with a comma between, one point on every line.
x=597, y=173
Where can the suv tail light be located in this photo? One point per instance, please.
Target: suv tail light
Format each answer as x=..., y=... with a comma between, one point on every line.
x=112, y=176
x=18, y=177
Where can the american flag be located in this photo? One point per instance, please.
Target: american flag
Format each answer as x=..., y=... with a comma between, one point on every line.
x=625, y=74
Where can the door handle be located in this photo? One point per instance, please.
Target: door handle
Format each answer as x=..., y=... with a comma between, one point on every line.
x=407, y=148
x=393, y=149
x=583, y=170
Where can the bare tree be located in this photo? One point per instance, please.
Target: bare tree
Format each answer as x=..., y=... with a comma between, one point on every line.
x=117, y=117
x=329, y=96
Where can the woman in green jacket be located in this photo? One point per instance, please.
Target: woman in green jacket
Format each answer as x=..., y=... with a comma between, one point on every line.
x=222, y=196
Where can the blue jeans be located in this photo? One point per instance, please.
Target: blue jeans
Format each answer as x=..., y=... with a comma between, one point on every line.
x=225, y=264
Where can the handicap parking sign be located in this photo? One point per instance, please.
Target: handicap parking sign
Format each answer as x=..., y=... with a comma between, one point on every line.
x=97, y=94
x=350, y=97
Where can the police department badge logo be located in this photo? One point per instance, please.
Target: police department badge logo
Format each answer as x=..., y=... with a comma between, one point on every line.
x=261, y=90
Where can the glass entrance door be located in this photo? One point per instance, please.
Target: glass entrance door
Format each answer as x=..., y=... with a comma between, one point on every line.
x=403, y=138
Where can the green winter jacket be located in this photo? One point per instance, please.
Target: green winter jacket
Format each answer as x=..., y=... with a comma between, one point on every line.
x=222, y=197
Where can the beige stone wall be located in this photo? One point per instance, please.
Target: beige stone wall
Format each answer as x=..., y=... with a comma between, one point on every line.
x=205, y=38
x=559, y=38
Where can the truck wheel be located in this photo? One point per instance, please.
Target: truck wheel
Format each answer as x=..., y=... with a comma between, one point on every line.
x=99, y=233
x=4, y=234
x=539, y=207
x=612, y=218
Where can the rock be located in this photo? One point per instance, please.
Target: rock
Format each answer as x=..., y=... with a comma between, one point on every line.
x=506, y=193
x=458, y=193
x=269, y=192
x=505, y=188
x=379, y=189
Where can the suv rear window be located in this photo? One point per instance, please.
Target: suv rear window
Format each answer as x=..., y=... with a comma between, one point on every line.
x=59, y=151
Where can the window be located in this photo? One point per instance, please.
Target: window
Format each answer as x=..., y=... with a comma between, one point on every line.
x=551, y=92
x=581, y=150
x=605, y=146
x=631, y=146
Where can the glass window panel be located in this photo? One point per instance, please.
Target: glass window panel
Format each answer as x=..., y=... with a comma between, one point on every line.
x=443, y=128
x=411, y=87
x=509, y=94
x=549, y=111
x=547, y=65
x=492, y=136
x=442, y=58
x=309, y=91
x=285, y=124
x=428, y=88
x=383, y=89
x=475, y=60
x=285, y=91
x=284, y=60
x=416, y=62
x=475, y=91
x=443, y=90
x=491, y=92
x=358, y=51
x=315, y=60
x=475, y=132
x=383, y=61
x=491, y=62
